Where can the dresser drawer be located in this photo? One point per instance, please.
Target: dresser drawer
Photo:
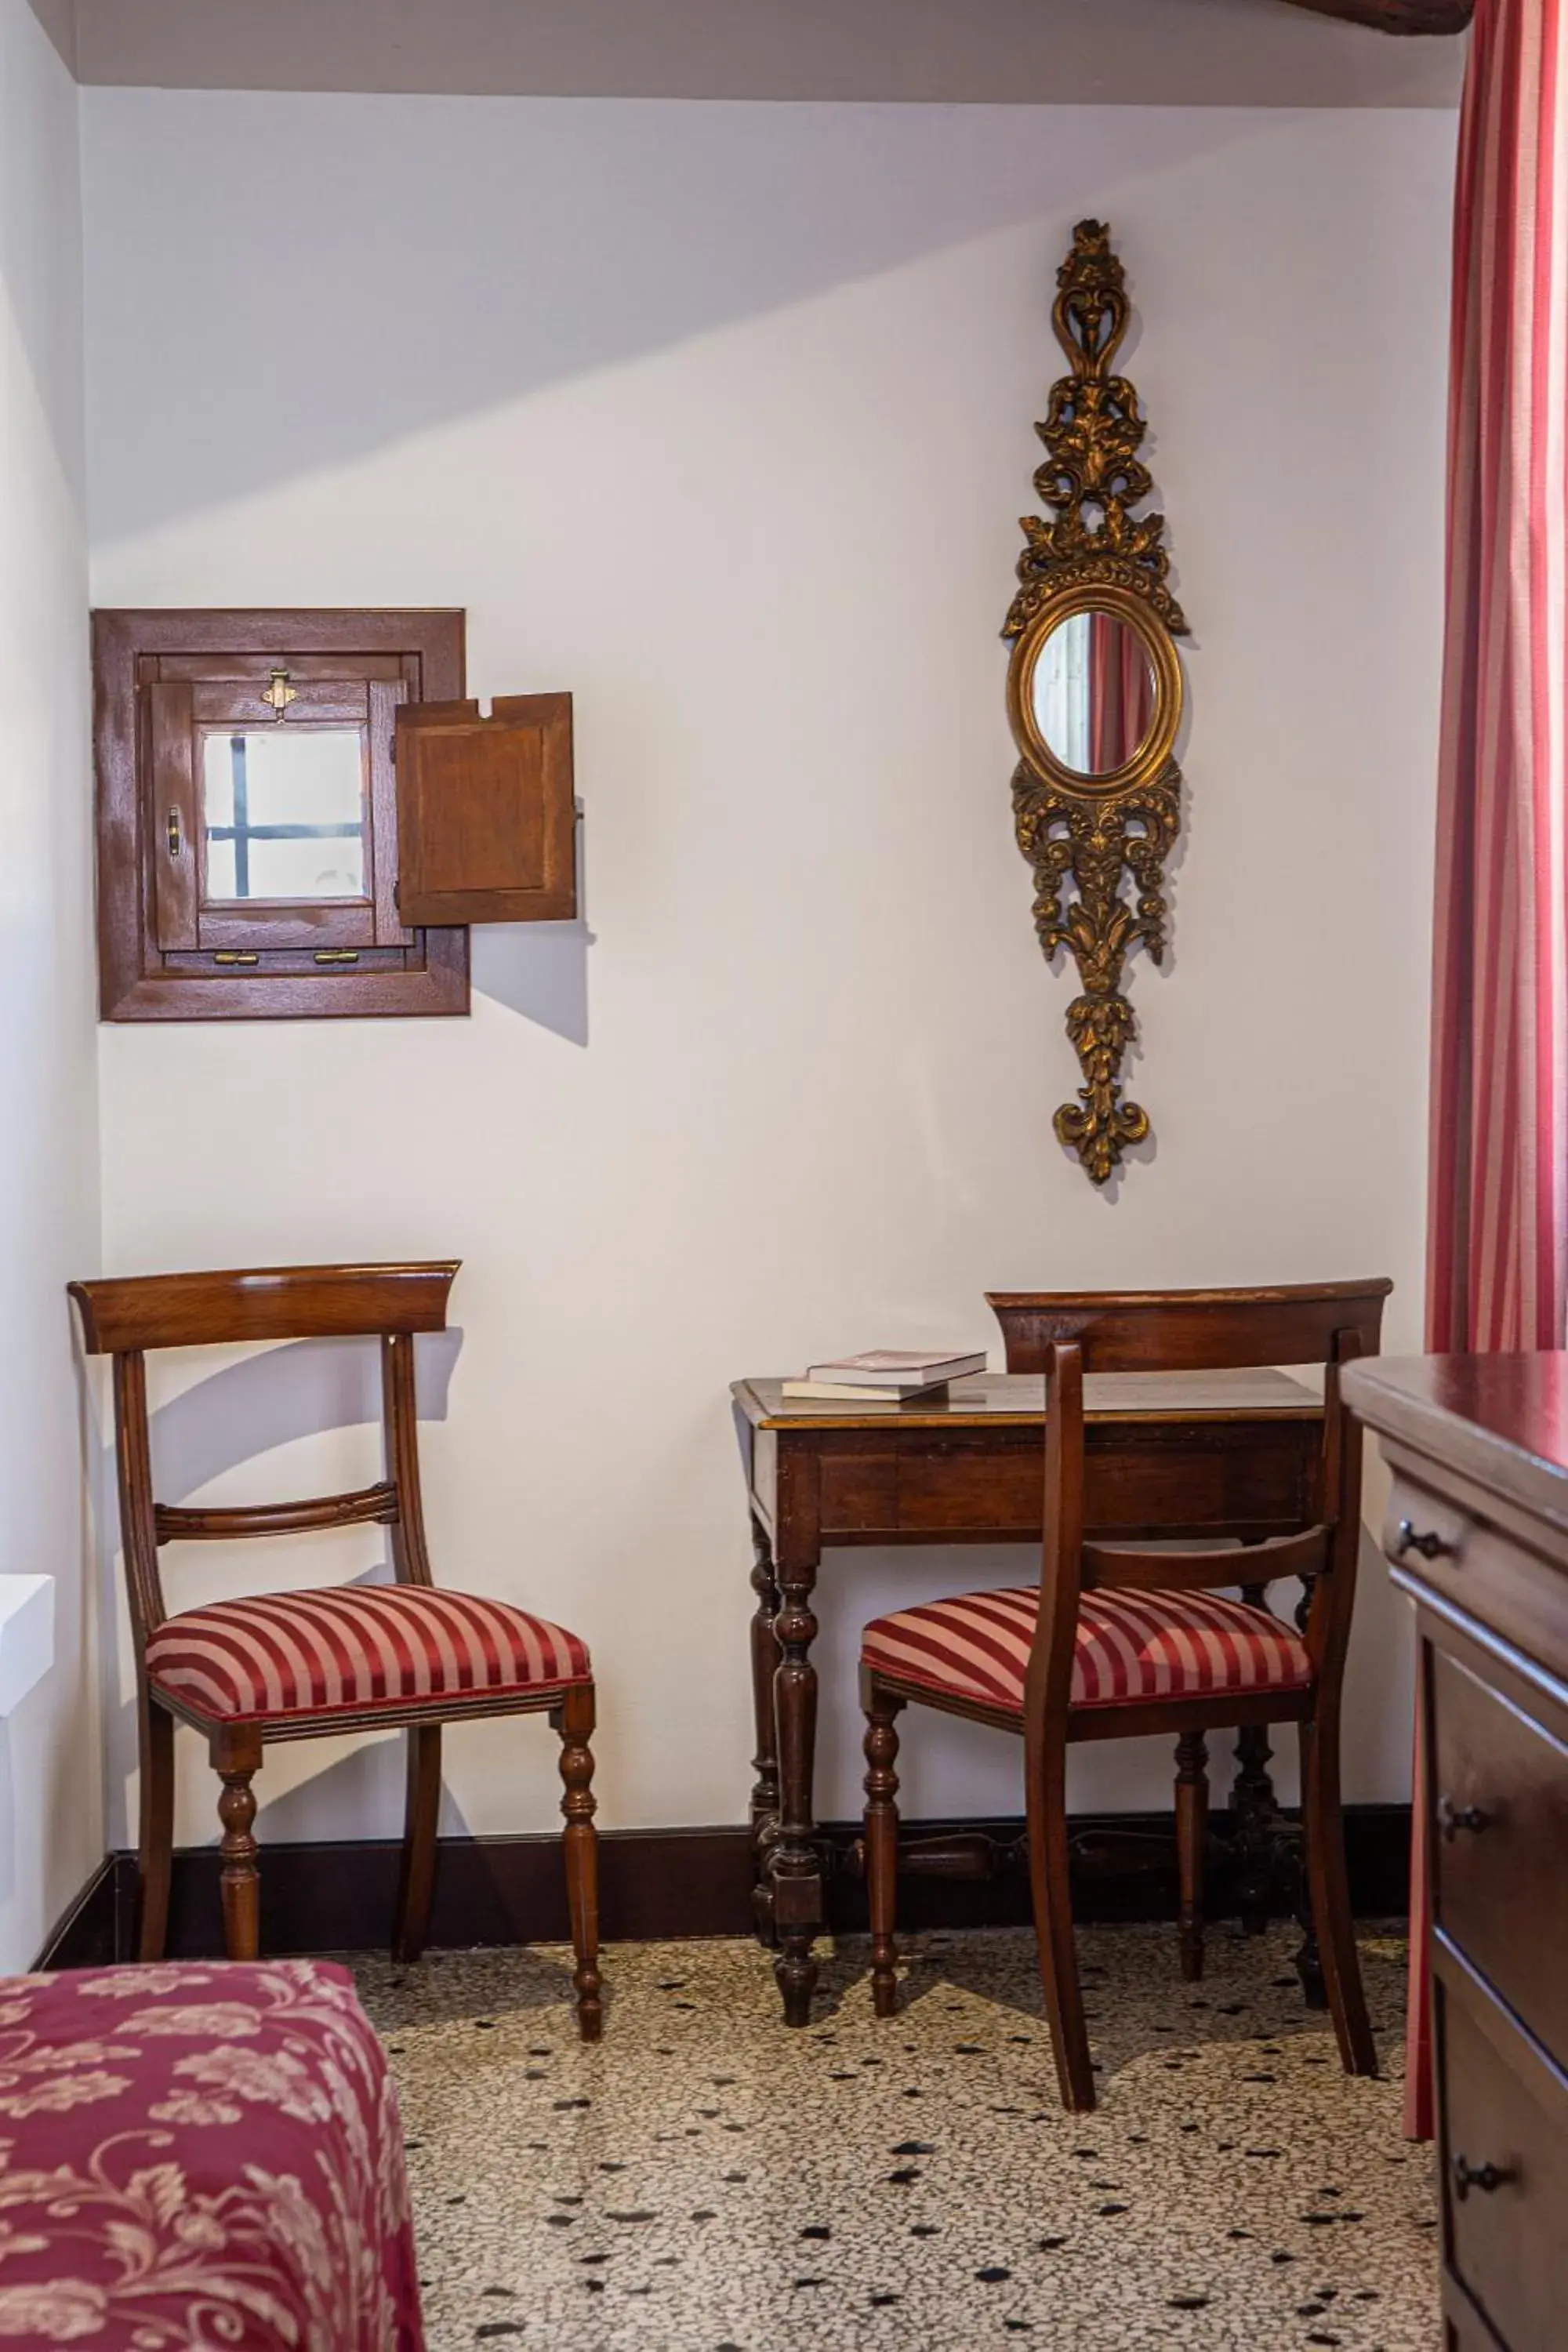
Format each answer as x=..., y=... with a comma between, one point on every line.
x=1449, y=1554
x=1500, y=1889
x=1505, y=2167
x=1420, y=1527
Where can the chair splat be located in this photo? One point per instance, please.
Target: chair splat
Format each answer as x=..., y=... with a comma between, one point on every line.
x=175, y=1523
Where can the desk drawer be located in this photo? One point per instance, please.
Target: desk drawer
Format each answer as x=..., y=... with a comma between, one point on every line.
x=1500, y=1784
x=966, y=1482
x=1150, y=1478
x=1503, y=2233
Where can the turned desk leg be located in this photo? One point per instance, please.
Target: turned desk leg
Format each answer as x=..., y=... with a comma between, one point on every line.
x=1192, y=1846
x=1271, y=1873
x=765, y=1762
x=1255, y=1813
x=1255, y=1810
x=1308, y=1959
x=796, y=1869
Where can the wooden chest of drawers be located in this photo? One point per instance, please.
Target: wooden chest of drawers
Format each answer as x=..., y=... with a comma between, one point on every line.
x=1476, y=1532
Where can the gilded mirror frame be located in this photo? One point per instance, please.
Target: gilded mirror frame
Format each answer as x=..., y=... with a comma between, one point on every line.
x=1081, y=833
x=1153, y=754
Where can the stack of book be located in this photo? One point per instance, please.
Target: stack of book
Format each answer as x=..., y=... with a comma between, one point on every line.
x=884, y=1376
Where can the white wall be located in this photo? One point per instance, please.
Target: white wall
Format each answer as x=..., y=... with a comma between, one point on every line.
x=50, y=1786
x=721, y=417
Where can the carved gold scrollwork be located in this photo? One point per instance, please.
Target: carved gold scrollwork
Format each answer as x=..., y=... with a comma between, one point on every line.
x=1083, y=831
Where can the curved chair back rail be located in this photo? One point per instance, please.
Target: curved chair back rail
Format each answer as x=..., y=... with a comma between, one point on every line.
x=281, y=1302
x=1189, y=1330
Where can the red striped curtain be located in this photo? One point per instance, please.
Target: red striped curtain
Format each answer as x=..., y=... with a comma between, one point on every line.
x=1498, y=1222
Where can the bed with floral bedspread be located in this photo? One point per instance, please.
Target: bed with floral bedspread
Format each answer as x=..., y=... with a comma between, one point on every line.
x=201, y=2155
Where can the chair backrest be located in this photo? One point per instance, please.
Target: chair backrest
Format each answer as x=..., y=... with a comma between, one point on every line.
x=1068, y=1334
x=1191, y=1330
x=124, y=1319
x=278, y=1302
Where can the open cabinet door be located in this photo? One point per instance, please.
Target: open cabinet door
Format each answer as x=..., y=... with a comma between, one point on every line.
x=486, y=817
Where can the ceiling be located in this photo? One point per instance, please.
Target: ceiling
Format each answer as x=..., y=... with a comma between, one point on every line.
x=1060, y=52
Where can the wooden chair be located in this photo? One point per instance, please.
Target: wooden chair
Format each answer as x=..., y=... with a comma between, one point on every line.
x=1118, y=1641
x=298, y=1665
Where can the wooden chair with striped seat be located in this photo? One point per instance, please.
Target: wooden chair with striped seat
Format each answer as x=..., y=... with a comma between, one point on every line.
x=303, y=1664
x=1118, y=1641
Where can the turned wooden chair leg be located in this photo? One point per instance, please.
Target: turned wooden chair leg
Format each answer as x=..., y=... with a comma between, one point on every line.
x=155, y=1743
x=1328, y=1887
x=881, y=1846
x=1192, y=1845
x=416, y=1882
x=575, y=1722
x=1051, y=1891
x=236, y=1760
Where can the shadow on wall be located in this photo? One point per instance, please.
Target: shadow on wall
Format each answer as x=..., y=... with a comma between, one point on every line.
x=362, y=1783
x=549, y=239
x=40, y=154
x=540, y=970
x=303, y=1389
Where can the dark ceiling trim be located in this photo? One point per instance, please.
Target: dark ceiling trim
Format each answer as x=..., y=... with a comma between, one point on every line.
x=1248, y=53
x=1397, y=15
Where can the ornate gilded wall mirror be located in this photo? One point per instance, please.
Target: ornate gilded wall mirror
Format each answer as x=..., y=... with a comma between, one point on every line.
x=1094, y=696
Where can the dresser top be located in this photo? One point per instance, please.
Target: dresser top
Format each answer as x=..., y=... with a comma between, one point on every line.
x=1501, y=1420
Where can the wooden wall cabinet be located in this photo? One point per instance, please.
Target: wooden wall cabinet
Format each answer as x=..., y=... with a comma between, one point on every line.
x=298, y=815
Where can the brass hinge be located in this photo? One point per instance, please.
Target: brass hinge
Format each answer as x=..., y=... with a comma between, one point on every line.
x=233, y=955
x=337, y=955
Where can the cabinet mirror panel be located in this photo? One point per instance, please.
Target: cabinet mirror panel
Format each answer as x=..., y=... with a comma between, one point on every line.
x=283, y=813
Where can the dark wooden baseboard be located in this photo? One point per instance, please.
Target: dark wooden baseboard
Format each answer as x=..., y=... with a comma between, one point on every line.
x=666, y=1883
x=89, y=1935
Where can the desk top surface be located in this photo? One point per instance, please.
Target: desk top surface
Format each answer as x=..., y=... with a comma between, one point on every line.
x=998, y=1399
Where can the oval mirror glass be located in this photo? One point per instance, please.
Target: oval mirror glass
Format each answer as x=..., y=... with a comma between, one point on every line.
x=1092, y=692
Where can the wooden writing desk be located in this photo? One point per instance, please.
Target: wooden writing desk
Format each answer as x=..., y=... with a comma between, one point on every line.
x=1169, y=1454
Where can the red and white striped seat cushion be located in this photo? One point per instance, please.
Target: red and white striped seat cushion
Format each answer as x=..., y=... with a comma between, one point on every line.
x=277, y=1654
x=1131, y=1647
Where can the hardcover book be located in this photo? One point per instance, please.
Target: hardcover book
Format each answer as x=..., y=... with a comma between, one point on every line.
x=910, y=1368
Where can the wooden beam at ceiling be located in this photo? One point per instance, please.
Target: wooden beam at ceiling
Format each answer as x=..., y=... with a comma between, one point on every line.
x=1397, y=15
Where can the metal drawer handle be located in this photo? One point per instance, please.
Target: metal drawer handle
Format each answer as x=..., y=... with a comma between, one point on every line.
x=1429, y=1545
x=1487, y=2178
x=1453, y=1818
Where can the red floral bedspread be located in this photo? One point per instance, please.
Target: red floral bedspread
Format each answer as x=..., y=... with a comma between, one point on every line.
x=201, y=2155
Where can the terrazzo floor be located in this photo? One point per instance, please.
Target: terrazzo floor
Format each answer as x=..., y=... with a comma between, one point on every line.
x=707, y=2182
